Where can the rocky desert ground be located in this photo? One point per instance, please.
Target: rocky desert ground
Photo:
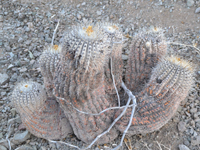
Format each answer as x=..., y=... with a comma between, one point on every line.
x=27, y=26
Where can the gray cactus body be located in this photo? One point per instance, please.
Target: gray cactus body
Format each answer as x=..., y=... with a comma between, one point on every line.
x=169, y=84
x=42, y=116
x=145, y=51
x=85, y=87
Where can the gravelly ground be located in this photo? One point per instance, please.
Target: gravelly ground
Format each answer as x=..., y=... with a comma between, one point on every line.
x=26, y=27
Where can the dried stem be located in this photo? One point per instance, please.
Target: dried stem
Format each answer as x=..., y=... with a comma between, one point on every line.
x=113, y=78
x=61, y=142
x=54, y=33
x=7, y=136
x=113, y=123
x=174, y=43
x=87, y=113
x=131, y=97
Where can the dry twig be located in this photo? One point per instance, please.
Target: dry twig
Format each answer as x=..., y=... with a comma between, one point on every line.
x=54, y=33
x=174, y=43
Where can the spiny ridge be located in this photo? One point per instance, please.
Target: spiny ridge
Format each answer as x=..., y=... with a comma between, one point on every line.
x=42, y=116
x=113, y=57
x=145, y=51
x=87, y=44
x=86, y=126
x=48, y=62
x=28, y=96
x=169, y=84
x=49, y=122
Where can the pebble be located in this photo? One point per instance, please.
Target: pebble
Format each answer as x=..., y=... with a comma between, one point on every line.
x=124, y=57
x=25, y=147
x=183, y=147
x=21, y=137
x=43, y=148
x=1, y=135
x=99, y=13
x=197, y=10
x=195, y=141
x=4, y=78
x=78, y=16
x=10, y=66
x=181, y=126
x=193, y=110
x=13, y=112
x=23, y=70
x=186, y=142
x=83, y=4
x=2, y=148
x=20, y=40
x=190, y=3
x=1, y=18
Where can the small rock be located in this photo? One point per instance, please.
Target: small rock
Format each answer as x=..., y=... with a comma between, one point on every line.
x=25, y=147
x=20, y=40
x=193, y=110
x=32, y=62
x=197, y=10
x=111, y=16
x=1, y=18
x=43, y=148
x=186, y=142
x=99, y=13
x=183, y=147
x=23, y=70
x=1, y=135
x=21, y=137
x=3, y=93
x=22, y=127
x=83, y=4
x=124, y=57
x=2, y=148
x=27, y=29
x=78, y=16
x=4, y=78
x=30, y=25
x=13, y=111
x=195, y=141
x=10, y=66
x=21, y=16
x=14, y=77
x=190, y=3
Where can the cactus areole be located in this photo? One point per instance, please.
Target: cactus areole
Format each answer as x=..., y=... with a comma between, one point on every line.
x=83, y=74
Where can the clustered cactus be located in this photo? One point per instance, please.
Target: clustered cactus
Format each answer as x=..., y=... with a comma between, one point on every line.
x=82, y=74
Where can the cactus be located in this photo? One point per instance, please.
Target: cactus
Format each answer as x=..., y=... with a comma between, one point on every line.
x=84, y=87
x=115, y=38
x=42, y=116
x=87, y=44
x=48, y=62
x=78, y=77
x=169, y=84
x=145, y=51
